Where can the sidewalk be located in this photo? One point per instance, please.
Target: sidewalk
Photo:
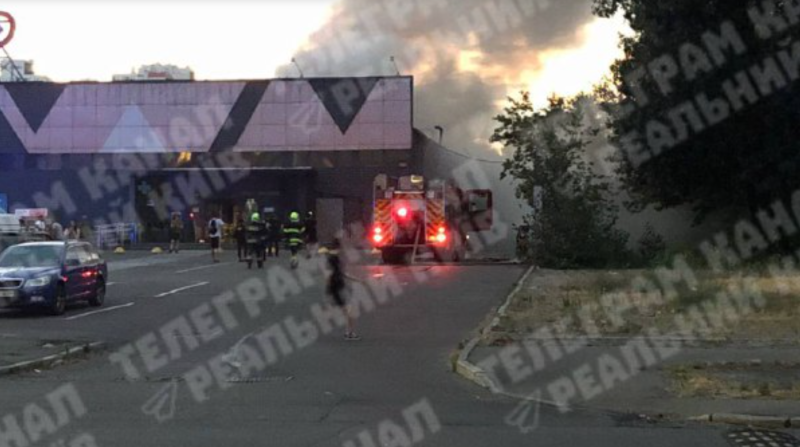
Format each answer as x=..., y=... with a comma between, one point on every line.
x=629, y=373
x=650, y=391
x=20, y=354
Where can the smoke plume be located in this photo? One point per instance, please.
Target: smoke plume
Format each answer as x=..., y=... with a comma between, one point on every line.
x=466, y=55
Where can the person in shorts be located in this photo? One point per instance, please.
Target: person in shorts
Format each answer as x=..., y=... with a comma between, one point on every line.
x=335, y=288
x=175, y=232
x=215, y=235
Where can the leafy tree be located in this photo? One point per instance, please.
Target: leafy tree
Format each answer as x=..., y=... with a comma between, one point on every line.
x=734, y=166
x=572, y=219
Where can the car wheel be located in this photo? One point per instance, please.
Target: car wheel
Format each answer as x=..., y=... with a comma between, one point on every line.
x=99, y=295
x=59, y=305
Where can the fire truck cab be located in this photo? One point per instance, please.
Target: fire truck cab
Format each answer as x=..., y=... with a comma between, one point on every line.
x=411, y=215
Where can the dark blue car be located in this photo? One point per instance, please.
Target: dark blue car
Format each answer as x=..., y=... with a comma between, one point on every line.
x=50, y=275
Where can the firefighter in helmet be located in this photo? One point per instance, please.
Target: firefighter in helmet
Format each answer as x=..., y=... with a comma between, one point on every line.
x=256, y=241
x=293, y=232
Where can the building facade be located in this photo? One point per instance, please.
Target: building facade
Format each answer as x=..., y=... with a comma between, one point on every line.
x=138, y=151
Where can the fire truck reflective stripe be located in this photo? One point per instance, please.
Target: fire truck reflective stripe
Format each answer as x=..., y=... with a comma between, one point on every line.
x=436, y=217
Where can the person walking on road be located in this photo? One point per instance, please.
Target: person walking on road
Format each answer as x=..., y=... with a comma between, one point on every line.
x=256, y=241
x=240, y=233
x=215, y=235
x=311, y=234
x=73, y=232
x=56, y=231
x=293, y=233
x=335, y=288
x=274, y=231
x=175, y=232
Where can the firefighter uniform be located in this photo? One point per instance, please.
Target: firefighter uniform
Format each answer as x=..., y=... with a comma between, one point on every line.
x=274, y=236
x=256, y=241
x=293, y=233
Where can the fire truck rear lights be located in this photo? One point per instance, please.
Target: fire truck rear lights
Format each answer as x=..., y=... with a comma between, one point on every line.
x=378, y=230
x=442, y=230
x=402, y=212
x=378, y=238
x=441, y=238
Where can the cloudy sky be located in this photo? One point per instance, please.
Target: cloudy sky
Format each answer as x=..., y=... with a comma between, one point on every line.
x=466, y=55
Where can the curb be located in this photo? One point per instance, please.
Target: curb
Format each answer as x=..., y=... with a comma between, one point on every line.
x=749, y=420
x=51, y=360
x=502, y=312
x=476, y=375
x=472, y=372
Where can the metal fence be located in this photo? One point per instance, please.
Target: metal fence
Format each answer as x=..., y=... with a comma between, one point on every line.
x=115, y=235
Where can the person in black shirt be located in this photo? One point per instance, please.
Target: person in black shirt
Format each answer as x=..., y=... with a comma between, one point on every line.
x=311, y=234
x=240, y=233
x=336, y=286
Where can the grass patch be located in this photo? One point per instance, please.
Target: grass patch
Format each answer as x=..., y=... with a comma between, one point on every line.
x=744, y=381
x=628, y=302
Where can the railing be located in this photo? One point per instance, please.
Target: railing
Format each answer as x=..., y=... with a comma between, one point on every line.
x=115, y=235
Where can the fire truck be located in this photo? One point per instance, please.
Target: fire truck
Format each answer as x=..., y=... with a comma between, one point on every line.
x=412, y=215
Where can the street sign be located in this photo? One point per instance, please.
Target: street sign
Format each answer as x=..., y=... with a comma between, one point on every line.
x=3, y=204
x=8, y=26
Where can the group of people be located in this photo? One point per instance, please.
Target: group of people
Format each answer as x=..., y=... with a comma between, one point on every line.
x=257, y=238
x=56, y=231
x=261, y=237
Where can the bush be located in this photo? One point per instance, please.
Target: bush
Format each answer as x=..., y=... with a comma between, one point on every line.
x=572, y=222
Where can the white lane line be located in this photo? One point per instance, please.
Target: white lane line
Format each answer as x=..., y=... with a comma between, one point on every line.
x=173, y=292
x=111, y=284
x=108, y=309
x=194, y=269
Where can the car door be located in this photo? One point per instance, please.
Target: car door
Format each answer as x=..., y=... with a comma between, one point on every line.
x=74, y=269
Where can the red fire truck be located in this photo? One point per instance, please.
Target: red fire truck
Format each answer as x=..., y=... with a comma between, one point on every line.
x=411, y=215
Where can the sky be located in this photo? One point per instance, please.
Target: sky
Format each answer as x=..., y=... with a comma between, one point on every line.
x=466, y=58
x=94, y=39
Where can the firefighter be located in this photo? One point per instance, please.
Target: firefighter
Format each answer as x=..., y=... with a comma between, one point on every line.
x=293, y=233
x=274, y=231
x=256, y=241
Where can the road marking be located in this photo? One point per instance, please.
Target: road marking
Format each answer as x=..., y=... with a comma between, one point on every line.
x=108, y=309
x=194, y=269
x=173, y=292
x=111, y=284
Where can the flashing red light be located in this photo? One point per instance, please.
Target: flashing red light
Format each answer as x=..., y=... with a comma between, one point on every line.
x=441, y=238
x=442, y=230
x=378, y=238
x=378, y=230
x=402, y=212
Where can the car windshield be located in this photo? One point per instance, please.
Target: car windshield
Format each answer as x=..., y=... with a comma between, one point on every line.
x=31, y=256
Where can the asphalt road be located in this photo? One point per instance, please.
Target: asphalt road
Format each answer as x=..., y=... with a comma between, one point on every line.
x=326, y=394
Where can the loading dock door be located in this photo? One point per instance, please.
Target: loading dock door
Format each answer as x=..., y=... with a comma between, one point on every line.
x=330, y=219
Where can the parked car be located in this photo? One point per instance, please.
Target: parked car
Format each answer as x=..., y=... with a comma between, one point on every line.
x=9, y=223
x=51, y=275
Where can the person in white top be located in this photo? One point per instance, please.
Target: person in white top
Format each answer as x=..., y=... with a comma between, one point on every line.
x=215, y=235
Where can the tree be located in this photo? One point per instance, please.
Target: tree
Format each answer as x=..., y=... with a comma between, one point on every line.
x=571, y=223
x=682, y=53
